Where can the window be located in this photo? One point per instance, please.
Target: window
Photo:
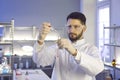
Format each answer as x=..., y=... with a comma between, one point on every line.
x=103, y=20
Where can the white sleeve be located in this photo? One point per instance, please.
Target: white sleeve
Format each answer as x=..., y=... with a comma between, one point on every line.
x=43, y=55
x=90, y=61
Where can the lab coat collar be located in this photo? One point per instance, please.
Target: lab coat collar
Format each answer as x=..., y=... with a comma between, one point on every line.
x=79, y=42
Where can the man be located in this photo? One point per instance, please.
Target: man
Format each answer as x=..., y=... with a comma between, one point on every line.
x=73, y=59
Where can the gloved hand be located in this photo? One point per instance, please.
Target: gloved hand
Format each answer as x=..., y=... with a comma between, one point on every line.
x=46, y=27
x=65, y=43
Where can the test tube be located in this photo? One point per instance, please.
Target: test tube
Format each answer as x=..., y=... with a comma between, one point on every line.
x=54, y=30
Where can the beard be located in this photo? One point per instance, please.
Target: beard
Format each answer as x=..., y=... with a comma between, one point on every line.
x=73, y=38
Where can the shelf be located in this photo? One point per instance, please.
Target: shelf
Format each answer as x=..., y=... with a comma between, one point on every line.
x=112, y=45
x=5, y=43
x=5, y=24
x=112, y=27
x=110, y=66
x=6, y=76
x=111, y=33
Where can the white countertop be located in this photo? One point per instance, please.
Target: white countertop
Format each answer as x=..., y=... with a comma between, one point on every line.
x=36, y=74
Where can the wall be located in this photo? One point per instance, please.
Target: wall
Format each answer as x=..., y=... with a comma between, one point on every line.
x=34, y=12
x=89, y=9
x=115, y=12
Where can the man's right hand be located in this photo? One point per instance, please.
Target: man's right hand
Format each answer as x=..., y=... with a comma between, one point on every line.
x=46, y=27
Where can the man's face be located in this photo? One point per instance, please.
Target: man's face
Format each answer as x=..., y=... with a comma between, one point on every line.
x=75, y=29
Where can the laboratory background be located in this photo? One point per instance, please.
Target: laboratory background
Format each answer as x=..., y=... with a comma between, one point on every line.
x=20, y=21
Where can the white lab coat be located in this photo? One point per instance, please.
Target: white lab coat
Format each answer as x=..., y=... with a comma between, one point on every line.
x=84, y=66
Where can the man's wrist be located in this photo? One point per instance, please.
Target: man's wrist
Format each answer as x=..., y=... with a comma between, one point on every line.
x=40, y=41
x=75, y=53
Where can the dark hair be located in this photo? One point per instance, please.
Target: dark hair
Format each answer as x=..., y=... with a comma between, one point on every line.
x=77, y=15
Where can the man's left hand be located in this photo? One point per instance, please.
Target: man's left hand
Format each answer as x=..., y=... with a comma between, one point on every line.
x=65, y=43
